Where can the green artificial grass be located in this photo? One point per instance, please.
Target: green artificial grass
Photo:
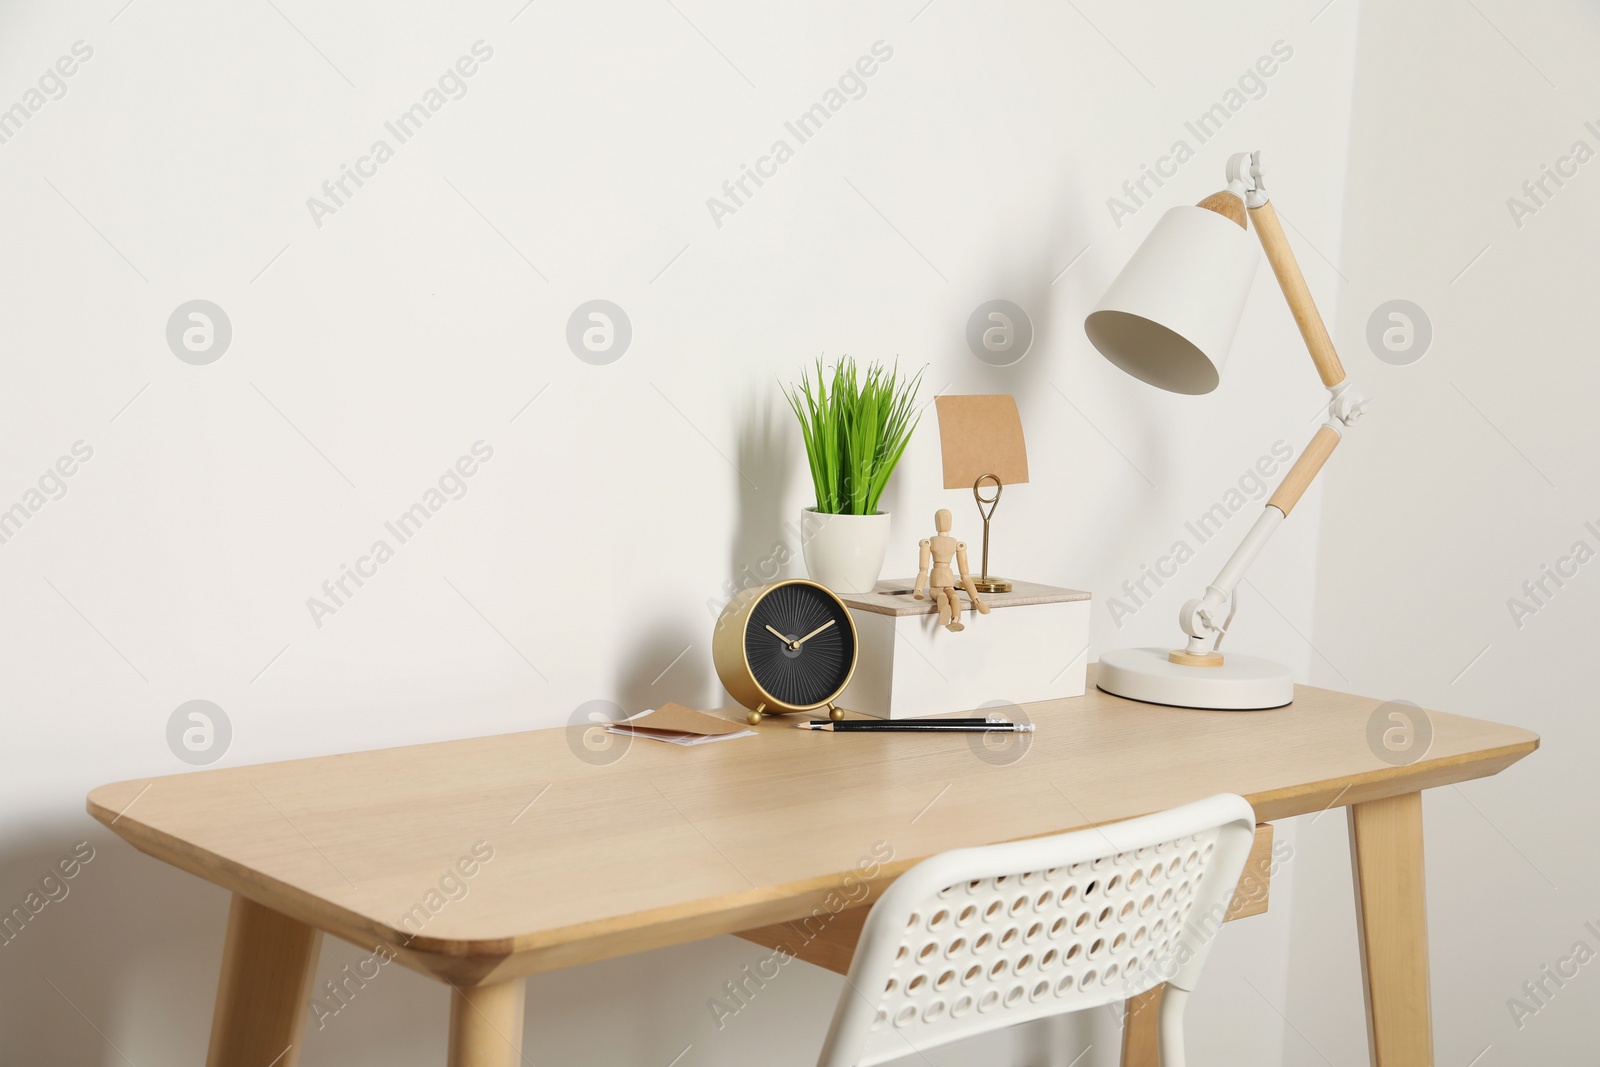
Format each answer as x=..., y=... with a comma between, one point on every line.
x=855, y=431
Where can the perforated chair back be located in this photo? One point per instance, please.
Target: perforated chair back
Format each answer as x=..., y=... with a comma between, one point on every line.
x=979, y=939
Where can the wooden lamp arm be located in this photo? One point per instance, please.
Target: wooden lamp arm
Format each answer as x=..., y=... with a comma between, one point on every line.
x=1296, y=292
x=1305, y=469
x=1202, y=619
x=1244, y=173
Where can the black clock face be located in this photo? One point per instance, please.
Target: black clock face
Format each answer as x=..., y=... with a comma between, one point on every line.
x=800, y=645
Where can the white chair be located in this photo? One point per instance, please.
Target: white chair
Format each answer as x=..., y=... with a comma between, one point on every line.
x=979, y=939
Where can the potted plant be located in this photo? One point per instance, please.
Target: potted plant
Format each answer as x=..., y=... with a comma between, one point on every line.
x=855, y=429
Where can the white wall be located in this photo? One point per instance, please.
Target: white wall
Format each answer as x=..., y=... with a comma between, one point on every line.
x=369, y=352
x=1475, y=470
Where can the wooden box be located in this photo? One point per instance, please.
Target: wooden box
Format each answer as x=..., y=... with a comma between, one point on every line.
x=1033, y=645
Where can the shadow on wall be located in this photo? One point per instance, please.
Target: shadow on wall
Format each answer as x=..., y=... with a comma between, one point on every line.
x=1024, y=275
x=1143, y=431
x=769, y=455
x=671, y=658
x=1047, y=275
x=666, y=661
x=127, y=945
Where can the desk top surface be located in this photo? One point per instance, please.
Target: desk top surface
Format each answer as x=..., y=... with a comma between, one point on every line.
x=593, y=855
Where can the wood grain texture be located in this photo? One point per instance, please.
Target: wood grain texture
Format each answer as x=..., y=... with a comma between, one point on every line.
x=268, y=963
x=1227, y=205
x=591, y=856
x=1297, y=293
x=1251, y=895
x=486, y=1025
x=1183, y=657
x=1392, y=921
x=1141, y=1029
x=829, y=944
x=829, y=941
x=1305, y=470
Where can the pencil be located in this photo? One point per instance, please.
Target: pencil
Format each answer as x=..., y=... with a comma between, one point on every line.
x=979, y=719
x=929, y=726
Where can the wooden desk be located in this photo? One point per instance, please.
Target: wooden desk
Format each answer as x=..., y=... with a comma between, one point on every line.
x=574, y=860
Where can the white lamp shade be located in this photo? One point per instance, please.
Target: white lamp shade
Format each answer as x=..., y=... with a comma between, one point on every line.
x=1169, y=317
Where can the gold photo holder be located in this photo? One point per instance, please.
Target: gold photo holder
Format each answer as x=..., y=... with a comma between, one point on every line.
x=981, y=445
x=984, y=583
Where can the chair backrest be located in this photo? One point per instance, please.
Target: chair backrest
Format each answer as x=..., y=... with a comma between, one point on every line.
x=983, y=938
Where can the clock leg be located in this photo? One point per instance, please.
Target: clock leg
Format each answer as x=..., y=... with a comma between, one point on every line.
x=754, y=718
x=835, y=712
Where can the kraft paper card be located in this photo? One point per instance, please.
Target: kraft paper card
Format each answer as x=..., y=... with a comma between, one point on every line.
x=678, y=725
x=981, y=435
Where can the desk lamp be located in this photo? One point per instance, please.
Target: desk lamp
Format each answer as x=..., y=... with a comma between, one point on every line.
x=1169, y=319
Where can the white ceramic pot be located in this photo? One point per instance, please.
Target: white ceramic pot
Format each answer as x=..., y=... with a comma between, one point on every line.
x=844, y=552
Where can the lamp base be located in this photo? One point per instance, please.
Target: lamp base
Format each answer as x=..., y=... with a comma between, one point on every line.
x=991, y=585
x=1242, y=683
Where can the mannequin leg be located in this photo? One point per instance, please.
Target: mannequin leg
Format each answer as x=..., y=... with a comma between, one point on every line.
x=955, y=624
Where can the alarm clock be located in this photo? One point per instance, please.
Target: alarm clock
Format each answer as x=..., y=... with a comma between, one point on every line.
x=785, y=647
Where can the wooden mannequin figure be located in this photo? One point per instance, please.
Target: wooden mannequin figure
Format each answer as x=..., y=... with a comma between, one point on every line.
x=939, y=551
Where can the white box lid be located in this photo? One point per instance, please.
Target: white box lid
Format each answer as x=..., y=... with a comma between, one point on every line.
x=892, y=596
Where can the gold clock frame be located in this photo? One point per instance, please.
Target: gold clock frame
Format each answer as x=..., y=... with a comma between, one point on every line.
x=733, y=666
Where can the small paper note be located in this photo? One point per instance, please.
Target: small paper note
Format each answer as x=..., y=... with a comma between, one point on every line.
x=981, y=435
x=678, y=725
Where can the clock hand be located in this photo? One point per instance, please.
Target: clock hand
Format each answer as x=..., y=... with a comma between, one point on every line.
x=812, y=634
x=782, y=638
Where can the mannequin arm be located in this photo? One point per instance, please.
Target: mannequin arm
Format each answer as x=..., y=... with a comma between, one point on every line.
x=966, y=579
x=924, y=561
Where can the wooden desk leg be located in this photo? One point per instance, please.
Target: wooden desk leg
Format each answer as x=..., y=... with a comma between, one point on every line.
x=1141, y=1030
x=486, y=1025
x=268, y=964
x=1392, y=921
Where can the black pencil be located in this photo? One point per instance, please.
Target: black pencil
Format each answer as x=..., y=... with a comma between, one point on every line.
x=925, y=726
x=978, y=719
